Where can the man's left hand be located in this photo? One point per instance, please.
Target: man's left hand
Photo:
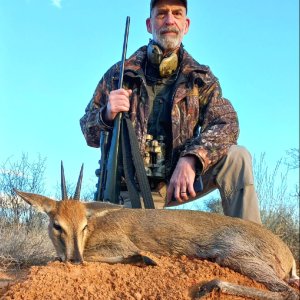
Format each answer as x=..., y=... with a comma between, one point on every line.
x=181, y=186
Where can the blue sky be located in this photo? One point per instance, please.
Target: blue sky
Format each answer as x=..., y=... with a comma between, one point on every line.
x=53, y=53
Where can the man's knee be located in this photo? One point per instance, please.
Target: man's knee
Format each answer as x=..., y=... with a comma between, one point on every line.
x=236, y=172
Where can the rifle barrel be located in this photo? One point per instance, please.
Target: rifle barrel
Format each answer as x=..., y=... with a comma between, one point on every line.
x=112, y=187
x=120, y=85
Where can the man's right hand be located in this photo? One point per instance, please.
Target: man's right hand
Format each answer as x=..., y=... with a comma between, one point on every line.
x=118, y=101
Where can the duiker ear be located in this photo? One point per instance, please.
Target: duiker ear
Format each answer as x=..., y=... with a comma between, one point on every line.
x=39, y=202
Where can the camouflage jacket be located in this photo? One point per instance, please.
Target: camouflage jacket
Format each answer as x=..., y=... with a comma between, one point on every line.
x=197, y=101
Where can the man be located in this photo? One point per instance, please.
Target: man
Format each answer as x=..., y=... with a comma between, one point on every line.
x=168, y=94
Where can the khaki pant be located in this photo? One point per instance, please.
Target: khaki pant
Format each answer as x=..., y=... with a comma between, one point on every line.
x=233, y=177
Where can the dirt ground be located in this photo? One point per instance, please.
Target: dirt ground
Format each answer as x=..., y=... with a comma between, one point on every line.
x=173, y=278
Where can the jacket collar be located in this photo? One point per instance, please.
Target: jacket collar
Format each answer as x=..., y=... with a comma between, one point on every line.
x=189, y=66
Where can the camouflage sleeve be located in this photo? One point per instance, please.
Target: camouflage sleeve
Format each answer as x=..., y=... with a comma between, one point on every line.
x=219, y=128
x=92, y=122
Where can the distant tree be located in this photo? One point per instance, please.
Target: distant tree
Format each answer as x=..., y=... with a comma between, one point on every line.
x=293, y=158
x=23, y=174
x=293, y=163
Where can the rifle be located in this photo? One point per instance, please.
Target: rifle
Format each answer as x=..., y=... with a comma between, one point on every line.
x=108, y=187
x=105, y=139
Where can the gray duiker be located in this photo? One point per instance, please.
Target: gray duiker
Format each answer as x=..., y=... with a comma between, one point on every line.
x=104, y=232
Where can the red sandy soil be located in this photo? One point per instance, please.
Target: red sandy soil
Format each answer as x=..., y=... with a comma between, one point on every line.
x=174, y=278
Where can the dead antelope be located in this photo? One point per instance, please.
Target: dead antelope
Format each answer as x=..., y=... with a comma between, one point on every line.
x=104, y=232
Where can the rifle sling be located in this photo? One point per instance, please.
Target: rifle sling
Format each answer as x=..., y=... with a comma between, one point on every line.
x=133, y=165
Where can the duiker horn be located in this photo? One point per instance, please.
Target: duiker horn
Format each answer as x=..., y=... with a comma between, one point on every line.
x=64, y=195
x=78, y=186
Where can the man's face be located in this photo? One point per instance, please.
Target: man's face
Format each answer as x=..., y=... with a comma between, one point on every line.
x=168, y=23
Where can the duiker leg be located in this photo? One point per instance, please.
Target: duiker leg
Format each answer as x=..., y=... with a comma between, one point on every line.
x=243, y=291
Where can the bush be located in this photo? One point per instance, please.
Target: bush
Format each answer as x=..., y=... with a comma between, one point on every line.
x=279, y=206
x=24, y=244
x=23, y=231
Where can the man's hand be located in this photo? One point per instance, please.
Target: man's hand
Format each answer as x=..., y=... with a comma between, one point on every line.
x=118, y=101
x=181, y=186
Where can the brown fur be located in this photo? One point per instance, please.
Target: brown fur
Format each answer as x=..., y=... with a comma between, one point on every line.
x=105, y=232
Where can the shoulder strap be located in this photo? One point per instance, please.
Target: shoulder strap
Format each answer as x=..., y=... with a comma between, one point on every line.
x=133, y=165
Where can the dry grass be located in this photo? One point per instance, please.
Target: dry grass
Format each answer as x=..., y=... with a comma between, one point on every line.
x=22, y=245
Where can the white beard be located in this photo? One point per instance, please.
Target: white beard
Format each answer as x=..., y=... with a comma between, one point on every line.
x=167, y=42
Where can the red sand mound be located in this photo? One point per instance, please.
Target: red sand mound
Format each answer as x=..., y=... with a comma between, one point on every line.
x=173, y=278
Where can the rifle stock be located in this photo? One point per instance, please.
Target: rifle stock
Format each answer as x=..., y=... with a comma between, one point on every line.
x=113, y=178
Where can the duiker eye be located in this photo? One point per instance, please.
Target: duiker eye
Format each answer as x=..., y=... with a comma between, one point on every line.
x=57, y=227
x=85, y=228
